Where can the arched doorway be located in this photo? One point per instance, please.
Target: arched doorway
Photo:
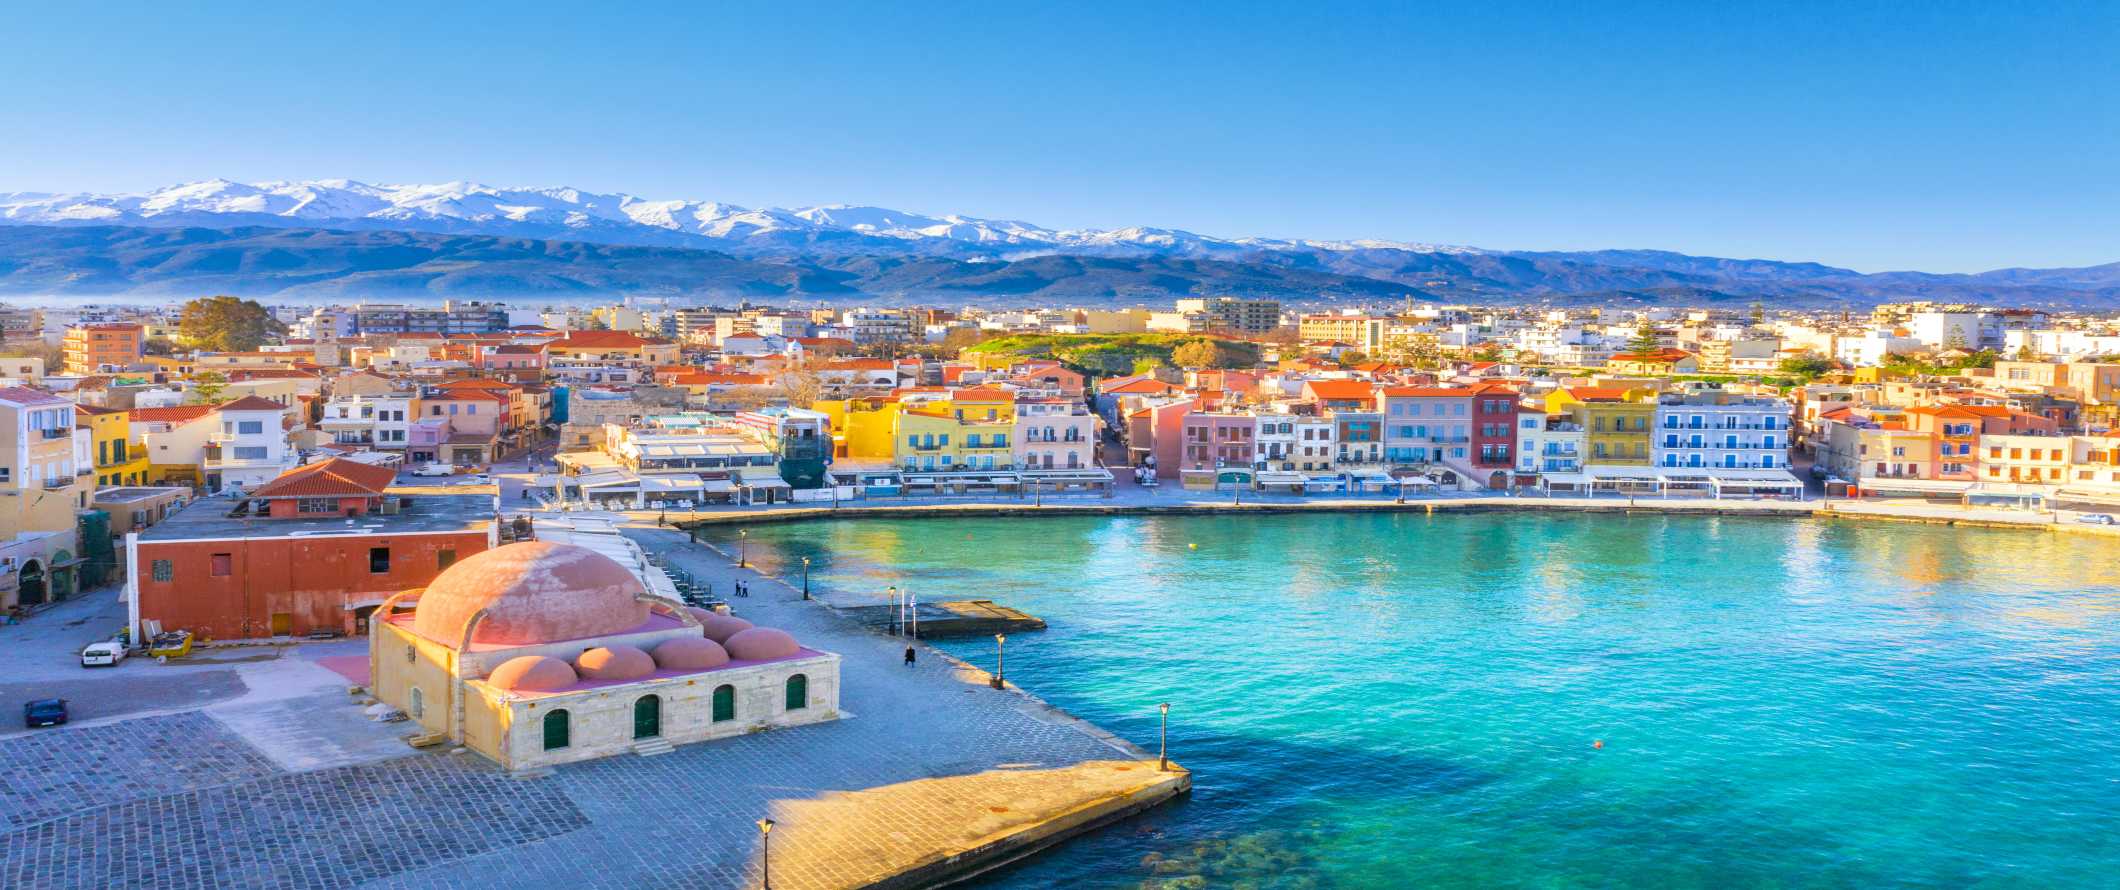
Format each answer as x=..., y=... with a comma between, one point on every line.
x=647, y=717
x=31, y=590
x=1499, y=479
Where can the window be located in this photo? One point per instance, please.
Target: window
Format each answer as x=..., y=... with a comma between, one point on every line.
x=161, y=570
x=445, y=558
x=798, y=692
x=224, y=564
x=378, y=559
x=556, y=730
x=419, y=704
x=316, y=505
x=250, y=427
x=249, y=452
x=724, y=703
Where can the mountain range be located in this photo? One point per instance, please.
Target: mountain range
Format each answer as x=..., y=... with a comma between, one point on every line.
x=343, y=240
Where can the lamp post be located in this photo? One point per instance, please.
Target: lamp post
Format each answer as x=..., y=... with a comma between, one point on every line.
x=743, y=548
x=1000, y=661
x=805, y=577
x=765, y=836
x=1163, y=739
x=895, y=615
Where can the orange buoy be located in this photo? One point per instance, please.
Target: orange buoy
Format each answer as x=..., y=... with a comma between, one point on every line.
x=1599, y=744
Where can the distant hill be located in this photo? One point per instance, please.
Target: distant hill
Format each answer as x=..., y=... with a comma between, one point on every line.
x=309, y=264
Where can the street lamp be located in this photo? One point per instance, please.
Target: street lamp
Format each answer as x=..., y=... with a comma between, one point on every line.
x=896, y=614
x=743, y=548
x=765, y=835
x=1163, y=739
x=1000, y=661
x=805, y=577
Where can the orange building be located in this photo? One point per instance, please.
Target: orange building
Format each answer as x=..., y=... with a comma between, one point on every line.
x=92, y=347
x=316, y=549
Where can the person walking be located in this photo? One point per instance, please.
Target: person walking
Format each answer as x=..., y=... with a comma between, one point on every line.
x=909, y=655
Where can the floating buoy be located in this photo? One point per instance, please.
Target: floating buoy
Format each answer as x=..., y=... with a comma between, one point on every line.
x=1599, y=744
x=1193, y=546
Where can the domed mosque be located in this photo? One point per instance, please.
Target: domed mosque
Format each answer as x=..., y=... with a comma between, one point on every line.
x=539, y=653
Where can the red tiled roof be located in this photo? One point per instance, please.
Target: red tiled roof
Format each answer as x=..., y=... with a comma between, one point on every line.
x=174, y=414
x=1426, y=392
x=337, y=477
x=1597, y=393
x=252, y=403
x=603, y=340
x=1337, y=390
x=23, y=395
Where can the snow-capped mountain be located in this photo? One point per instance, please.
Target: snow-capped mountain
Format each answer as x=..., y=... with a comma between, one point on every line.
x=566, y=213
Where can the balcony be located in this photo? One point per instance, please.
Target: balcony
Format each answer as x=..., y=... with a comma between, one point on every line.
x=57, y=483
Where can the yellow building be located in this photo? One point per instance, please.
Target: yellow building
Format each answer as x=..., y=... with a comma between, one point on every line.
x=119, y=459
x=971, y=429
x=1615, y=423
x=38, y=470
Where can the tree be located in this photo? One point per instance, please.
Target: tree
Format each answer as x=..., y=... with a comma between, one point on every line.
x=1807, y=367
x=207, y=388
x=1194, y=354
x=958, y=338
x=1644, y=339
x=1759, y=312
x=227, y=324
x=1351, y=358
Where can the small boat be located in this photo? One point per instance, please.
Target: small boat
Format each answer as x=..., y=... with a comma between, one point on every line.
x=170, y=644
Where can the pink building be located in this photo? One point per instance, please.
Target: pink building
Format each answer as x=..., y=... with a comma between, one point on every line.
x=1215, y=440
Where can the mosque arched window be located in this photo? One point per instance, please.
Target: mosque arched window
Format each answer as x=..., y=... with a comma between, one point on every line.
x=798, y=692
x=724, y=703
x=557, y=728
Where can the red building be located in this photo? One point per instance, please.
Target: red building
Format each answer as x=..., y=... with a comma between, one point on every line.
x=315, y=549
x=1493, y=447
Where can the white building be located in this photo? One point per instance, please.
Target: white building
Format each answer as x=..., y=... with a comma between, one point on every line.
x=249, y=447
x=1956, y=330
x=1549, y=443
x=1709, y=428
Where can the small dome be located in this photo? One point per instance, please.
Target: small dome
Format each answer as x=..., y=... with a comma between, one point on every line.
x=720, y=628
x=533, y=592
x=690, y=654
x=615, y=663
x=760, y=643
x=532, y=673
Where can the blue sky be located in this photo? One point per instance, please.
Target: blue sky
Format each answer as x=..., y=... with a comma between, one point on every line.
x=1889, y=136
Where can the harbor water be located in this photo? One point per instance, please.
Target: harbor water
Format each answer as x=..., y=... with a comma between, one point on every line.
x=1395, y=700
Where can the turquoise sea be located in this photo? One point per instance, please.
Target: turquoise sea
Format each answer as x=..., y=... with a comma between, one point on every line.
x=1372, y=700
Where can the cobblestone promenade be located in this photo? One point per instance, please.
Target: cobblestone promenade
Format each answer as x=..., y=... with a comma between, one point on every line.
x=927, y=763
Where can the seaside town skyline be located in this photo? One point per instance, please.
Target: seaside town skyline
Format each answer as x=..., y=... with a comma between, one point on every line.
x=1014, y=447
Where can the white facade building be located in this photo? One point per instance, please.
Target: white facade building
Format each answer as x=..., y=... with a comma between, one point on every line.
x=1710, y=429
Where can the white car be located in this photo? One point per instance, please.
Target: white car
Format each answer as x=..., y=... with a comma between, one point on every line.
x=2096, y=518
x=435, y=470
x=108, y=652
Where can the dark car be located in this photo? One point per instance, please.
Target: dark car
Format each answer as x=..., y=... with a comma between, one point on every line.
x=44, y=712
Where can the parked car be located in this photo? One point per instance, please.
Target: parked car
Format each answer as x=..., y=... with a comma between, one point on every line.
x=107, y=652
x=2096, y=518
x=435, y=470
x=44, y=712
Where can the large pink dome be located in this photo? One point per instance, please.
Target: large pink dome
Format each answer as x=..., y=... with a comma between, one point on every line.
x=760, y=643
x=534, y=592
x=532, y=673
x=614, y=663
x=720, y=628
x=690, y=654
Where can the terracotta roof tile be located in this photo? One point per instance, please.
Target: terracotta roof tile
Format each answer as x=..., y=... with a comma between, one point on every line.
x=337, y=477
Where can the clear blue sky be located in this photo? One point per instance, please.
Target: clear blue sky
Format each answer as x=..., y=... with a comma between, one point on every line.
x=1912, y=135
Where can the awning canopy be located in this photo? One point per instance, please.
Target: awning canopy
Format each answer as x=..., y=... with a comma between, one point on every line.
x=760, y=477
